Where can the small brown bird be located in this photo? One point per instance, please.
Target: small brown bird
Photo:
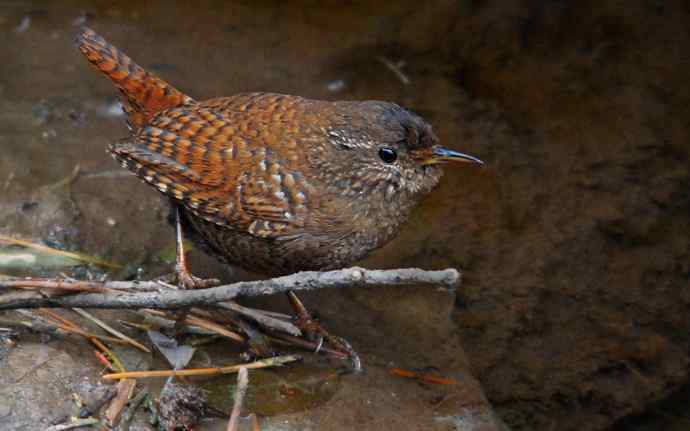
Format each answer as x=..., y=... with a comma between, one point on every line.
x=271, y=182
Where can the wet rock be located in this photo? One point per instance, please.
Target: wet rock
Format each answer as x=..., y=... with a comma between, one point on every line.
x=36, y=382
x=8, y=341
x=579, y=313
x=58, y=110
x=474, y=419
x=5, y=411
x=93, y=396
x=48, y=214
x=111, y=108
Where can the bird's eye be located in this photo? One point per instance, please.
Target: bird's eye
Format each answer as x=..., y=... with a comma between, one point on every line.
x=388, y=155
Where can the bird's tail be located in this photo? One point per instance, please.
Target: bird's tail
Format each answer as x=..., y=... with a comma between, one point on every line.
x=143, y=94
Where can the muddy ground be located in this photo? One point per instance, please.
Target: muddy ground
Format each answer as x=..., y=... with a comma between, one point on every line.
x=574, y=308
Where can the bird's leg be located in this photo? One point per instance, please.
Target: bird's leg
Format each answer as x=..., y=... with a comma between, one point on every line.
x=185, y=278
x=314, y=331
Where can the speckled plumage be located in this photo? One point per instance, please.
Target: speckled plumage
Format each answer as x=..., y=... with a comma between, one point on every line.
x=271, y=182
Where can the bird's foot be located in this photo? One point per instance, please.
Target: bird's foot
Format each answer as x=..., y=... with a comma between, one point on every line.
x=186, y=280
x=314, y=331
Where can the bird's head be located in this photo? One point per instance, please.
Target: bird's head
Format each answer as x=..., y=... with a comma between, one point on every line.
x=389, y=150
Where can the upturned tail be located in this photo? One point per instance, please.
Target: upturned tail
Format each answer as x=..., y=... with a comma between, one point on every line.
x=143, y=94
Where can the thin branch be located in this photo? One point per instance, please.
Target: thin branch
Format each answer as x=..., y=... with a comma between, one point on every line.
x=349, y=277
x=131, y=411
x=396, y=68
x=255, y=422
x=73, y=423
x=68, y=324
x=125, y=389
x=80, y=286
x=263, y=363
x=111, y=330
x=109, y=354
x=70, y=327
x=289, y=340
x=75, y=256
x=62, y=285
x=35, y=326
x=262, y=318
x=205, y=324
x=154, y=323
x=242, y=382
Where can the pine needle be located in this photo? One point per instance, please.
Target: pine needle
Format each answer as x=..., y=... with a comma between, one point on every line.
x=263, y=363
x=49, y=250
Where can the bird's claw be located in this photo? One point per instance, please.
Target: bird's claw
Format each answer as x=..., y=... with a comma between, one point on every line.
x=188, y=281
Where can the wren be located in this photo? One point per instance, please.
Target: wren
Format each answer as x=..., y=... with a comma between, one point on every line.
x=274, y=183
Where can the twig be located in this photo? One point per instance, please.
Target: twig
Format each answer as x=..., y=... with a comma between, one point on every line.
x=290, y=340
x=275, y=314
x=76, y=256
x=64, y=285
x=212, y=326
x=8, y=181
x=255, y=422
x=113, y=173
x=240, y=391
x=155, y=322
x=74, y=423
x=111, y=330
x=110, y=354
x=125, y=388
x=77, y=285
x=263, y=363
x=95, y=339
x=309, y=324
x=349, y=277
x=205, y=324
x=133, y=406
x=152, y=407
x=67, y=181
x=206, y=340
x=36, y=326
x=55, y=317
x=396, y=68
x=70, y=327
x=424, y=377
x=104, y=360
x=262, y=318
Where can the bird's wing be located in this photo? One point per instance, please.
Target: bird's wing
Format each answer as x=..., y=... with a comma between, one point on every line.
x=218, y=169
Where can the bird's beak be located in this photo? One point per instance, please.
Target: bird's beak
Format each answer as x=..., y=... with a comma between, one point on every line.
x=441, y=155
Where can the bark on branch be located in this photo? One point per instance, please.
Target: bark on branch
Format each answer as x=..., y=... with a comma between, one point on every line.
x=127, y=296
